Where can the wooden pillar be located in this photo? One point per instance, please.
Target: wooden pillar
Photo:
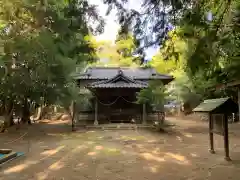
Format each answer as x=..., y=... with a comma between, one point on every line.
x=211, y=150
x=96, y=113
x=73, y=112
x=238, y=89
x=144, y=114
x=225, y=135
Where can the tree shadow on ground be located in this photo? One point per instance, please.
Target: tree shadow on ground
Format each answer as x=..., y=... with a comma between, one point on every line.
x=56, y=152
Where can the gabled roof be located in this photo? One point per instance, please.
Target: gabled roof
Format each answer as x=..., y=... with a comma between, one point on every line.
x=210, y=104
x=104, y=73
x=119, y=81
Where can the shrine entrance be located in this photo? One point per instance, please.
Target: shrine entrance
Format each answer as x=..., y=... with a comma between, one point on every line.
x=118, y=106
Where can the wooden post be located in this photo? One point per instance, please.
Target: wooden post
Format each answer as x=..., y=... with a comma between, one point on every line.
x=211, y=134
x=144, y=114
x=96, y=113
x=238, y=89
x=225, y=135
x=73, y=109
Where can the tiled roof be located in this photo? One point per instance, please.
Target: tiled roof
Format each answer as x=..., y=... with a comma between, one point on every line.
x=103, y=73
x=119, y=84
x=119, y=81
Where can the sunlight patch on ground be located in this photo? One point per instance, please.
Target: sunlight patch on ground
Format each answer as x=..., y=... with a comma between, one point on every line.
x=149, y=156
x=179, y=138
x=151, y=141
x=90, y=142
x=56, y=134
x=92, y=153
x=52, y=151
x=98, y=147
x=80, y=164
x=19, y=167
x=156, y=151
x=139, y=146
x=42, y=176
x=113, y=151
x=194, y=155
x=188, y=135
x=15, y=169
x=66, y=135
x=56, y=166
x=90, y=131
x=154, y=169
x=82, y=147
x=134, y=138
x=178, y=157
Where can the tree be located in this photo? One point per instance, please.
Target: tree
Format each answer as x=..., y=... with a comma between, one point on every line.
x=201, y=52
x=153, y=95
x=214, y=43
x=120, y=53
x=152, y=21
x=210, y=28
x=41, y=43
x=187, y=88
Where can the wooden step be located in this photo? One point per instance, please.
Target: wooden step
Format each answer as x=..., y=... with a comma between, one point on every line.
x=118, y=126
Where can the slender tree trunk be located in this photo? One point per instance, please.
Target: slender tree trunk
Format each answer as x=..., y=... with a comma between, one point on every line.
x=73, y=109
x=26, y=113
x=8, y=120
x=8, y=115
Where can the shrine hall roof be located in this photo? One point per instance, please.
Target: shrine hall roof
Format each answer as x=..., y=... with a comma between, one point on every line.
x=119, y=81
x=104, y=73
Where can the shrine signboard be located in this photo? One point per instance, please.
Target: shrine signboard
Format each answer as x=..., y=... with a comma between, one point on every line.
x=218, y=111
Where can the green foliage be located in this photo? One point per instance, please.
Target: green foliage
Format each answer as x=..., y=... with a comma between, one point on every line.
x=200, y=53
x=40, y=44
x=214, y=45
x=119, y=53
x=153, y=95
x=147, y=28
x=186, y=88
x=211, y=45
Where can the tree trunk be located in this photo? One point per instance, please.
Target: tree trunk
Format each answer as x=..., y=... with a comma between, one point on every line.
x=73, y=109
x=26, y=113
x=8, y=115
x=8, y=120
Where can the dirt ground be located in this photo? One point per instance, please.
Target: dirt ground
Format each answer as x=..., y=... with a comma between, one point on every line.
x=53, y=152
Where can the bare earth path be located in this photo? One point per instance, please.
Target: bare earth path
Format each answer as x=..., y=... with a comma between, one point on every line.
x=53, y=152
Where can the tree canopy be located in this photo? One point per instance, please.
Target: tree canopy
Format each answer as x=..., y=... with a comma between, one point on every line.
x=40, y=44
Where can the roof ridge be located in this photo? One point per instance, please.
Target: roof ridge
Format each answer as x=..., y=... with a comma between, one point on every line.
x=120, y=74
x=117, y=67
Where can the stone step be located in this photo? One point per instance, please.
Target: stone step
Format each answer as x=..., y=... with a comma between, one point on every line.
x=118, y=127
